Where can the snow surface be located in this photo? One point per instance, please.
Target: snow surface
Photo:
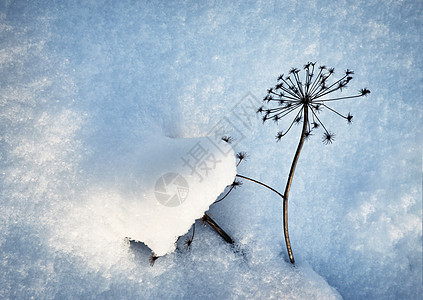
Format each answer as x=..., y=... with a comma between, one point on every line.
x=152, y=192
x=83, y=83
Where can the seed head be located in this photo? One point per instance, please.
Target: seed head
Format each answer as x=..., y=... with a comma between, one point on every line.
x=242, y=155
x=227, y=139
x=364, y=92
x=153, y=259
x=279, y=136
x=328, y=138
x=188, y=242
x=293, y=94
x=349, y=118
x=236, y=184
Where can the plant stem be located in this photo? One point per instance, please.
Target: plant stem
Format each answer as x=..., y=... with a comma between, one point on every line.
x=218, y=200
x=260, y=183
x=289, y=182
x=217, y=228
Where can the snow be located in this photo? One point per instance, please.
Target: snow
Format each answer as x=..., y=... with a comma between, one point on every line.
x=90, y=91
x=152, y=192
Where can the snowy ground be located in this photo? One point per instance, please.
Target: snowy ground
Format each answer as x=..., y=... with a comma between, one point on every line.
x=83, y=83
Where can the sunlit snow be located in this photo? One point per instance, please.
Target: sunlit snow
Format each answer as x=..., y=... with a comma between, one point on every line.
x=152, y=192
x=101, y=100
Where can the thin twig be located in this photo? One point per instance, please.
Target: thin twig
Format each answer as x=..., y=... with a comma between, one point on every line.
x=230, y=190
x=260, y=183
x=217, y=228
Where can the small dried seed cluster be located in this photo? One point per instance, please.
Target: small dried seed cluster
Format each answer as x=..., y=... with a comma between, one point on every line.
x=291, y=94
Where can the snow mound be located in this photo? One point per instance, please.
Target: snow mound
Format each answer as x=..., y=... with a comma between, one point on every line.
x=153, y=192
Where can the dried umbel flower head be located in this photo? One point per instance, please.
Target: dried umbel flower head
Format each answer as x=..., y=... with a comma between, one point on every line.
x=296, y=97
x=304, y=99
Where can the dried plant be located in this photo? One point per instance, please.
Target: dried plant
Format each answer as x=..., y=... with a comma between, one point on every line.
x=153, y=258
x=291, y=96
x=304, y=100
x=188, y=241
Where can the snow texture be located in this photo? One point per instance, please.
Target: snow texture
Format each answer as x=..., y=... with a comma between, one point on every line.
x=153, y=192
x=89, y=88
